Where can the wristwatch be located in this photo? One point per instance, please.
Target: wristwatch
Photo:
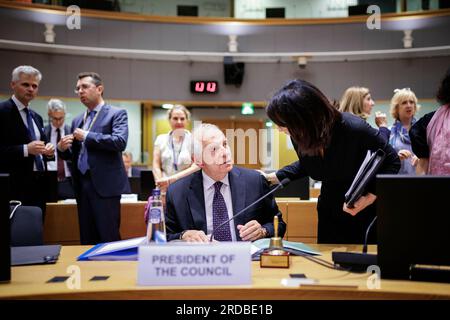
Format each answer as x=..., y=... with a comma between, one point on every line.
x=182, y=234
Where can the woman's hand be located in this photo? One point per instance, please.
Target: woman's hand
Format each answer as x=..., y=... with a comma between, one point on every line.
x=270, y=177
x=380, y=119
x=404, y=154
x=163, y=183
x=361, y=204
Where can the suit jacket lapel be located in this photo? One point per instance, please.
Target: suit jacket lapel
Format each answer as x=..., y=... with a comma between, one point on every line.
x=100, y=117
x=238, y=195
x=18, y=119
x=196, y=201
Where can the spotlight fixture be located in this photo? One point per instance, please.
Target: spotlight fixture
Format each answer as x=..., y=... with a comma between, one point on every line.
x=49, y=33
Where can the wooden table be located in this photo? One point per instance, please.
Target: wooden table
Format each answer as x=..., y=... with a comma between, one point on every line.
x=29, y=282
x=61, y=221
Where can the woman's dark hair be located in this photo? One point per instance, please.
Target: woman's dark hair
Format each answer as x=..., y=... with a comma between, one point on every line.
x=443, y=94
x=306, y=112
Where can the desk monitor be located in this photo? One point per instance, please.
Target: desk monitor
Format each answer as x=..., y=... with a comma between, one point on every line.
x=51, y=185
x=135, y=185
x=413, y=226
x=295, y=189
x=5, y=253
x=147, y=184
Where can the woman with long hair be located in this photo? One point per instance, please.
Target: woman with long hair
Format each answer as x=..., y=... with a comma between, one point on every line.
x=331, y=147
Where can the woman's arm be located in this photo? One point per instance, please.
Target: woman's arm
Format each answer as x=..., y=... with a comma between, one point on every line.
x=163, y=183
x=156, y=165
x=422, y=166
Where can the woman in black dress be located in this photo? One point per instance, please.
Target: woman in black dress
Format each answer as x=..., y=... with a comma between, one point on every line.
x=331, y=147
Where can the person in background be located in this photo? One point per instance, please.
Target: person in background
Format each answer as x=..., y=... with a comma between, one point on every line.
x=24, y=147
x=403, y=108
x=172, y=154
x=95, y=147
x=55, y=130
x=331, y=146
x=430, y=135
x=131, y=171
x=197, y=204
x=358, y=100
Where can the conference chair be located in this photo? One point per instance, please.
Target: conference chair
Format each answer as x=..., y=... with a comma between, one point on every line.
x=26, y=225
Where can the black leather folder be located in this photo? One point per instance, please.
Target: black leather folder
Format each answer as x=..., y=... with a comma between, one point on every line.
x=34, y=255
x=365, y=175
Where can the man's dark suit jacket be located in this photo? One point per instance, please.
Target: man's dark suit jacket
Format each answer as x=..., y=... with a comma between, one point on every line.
x=104, y=152
x=185, y=209
x=13, y=135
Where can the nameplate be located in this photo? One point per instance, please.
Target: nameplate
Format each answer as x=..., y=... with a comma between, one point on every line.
x=183, y=264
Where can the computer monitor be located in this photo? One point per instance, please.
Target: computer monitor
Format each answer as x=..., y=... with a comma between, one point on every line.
x=135, y=185
x=5, y=253
x=413, y=226
x=298, y=188
x=147, y=184
x=51, y=185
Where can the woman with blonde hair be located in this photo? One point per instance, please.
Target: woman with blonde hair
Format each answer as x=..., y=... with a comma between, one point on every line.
x=172, y=153
x=403, y=108
x=358, y=101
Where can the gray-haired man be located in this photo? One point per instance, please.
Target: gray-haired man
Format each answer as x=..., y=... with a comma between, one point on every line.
x=24, y=147
x=55, y=130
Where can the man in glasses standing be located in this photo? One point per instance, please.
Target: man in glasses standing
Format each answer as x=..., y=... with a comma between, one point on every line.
x=24, y=147
x=95, y=147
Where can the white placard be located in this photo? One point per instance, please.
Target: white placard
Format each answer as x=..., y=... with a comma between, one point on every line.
x=224, y=263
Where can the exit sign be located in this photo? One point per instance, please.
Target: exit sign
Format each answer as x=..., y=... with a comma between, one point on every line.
x=206, y=87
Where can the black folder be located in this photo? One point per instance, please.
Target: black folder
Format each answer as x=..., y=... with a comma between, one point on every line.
x=34, y=255
x=365, y=174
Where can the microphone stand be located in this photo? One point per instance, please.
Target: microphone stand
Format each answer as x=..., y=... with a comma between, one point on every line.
x=283, y=183
x=355, y=261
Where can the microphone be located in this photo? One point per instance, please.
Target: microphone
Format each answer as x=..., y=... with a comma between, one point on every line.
x=282, y=184
x=355, y=261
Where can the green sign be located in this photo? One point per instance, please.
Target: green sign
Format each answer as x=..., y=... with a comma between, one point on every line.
x=248, y=108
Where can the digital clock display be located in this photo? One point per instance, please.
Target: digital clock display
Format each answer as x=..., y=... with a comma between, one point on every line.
x=207, y=87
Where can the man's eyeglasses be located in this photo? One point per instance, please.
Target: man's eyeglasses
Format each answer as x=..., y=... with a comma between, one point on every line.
x=82, y=88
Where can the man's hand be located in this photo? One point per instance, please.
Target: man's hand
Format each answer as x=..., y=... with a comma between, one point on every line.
x=251, y=231
x=78, y=134
x=49, y=150
x=362, y=203
x=195, y=236
x=65, y=142
x=36, y=147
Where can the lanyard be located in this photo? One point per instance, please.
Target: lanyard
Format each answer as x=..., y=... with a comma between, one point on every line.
x=175, y=155
x=92, y=122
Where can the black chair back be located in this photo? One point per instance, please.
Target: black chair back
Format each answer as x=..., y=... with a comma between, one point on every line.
x=26, y=227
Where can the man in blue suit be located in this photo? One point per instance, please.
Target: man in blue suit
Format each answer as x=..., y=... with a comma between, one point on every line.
x=199, y=203
x=24, y=147
x=99, y=136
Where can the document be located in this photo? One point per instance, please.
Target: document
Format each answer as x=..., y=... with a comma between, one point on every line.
x=372, y=162
x=124, y=250
x=295, y=248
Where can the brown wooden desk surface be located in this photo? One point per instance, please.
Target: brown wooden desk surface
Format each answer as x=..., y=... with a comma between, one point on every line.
x=29, y=282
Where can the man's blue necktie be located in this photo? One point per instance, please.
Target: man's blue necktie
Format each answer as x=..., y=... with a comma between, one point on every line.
x=32, y=134
x=220, y=215
x=83, y=165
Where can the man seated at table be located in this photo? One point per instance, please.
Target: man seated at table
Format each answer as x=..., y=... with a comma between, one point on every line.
x=199, y=203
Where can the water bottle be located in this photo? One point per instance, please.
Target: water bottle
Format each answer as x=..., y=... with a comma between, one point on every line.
x=156, y=226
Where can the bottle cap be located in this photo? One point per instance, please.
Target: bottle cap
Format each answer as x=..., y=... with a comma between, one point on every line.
x=156, y=192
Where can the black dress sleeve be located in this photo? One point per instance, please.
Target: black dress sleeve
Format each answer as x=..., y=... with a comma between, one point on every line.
x=292, y=171
x=418, y=135
x=385, y=133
